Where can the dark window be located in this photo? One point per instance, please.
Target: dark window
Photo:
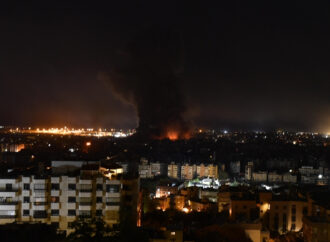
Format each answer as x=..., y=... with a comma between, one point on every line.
x=276, y=207
x=284, y=207
x=55, y=224
x=98, y=199
x=71, y=225
x=284, y=222
x=54, y=199
x=293, y=218
x=55, y=212
x=26, y=212
x=71, y=199
x=72, y=187
x=55, y=186
x=26, y=199
x=26, y=186
x=40, y=214
x=98, y=213
x=293, y=226
x=71, y=212
x=276, y=221
x=293, y=209
x=9, y=187
x=99, y=187
x=113, y=188
x=244, y=207
x=126, y=188
x=128, y=198
x=305, y=211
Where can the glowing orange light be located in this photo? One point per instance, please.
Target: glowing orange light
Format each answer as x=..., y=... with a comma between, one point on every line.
x=88, y=143
x=172, y=135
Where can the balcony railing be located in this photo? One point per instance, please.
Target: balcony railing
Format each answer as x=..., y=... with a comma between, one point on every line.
x=40, y=203
x=85, y=203
x=8, y=203
x=8, y=189
x=7, y=216
x=85, y=190
x=113, y=203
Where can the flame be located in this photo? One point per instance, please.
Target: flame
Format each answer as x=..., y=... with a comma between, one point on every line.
x=172, y=135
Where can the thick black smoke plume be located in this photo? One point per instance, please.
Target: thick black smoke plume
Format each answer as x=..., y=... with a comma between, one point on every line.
x=147, y=77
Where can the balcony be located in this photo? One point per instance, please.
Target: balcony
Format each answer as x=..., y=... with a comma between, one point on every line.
x=8, y=189
x=85, y=190
x=7, y=216
x=55, y=206
x=8, y=203
x=85, y=203
x=112, y=203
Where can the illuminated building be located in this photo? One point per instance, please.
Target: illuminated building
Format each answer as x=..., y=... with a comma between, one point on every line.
x=274, y=177
x=260, y=176
x=289, y=178
x=61, y=199
x=287, y=214
x=150, y=170
x=11, y=147
x=209, y=170
x=174, y=170
x=248, y=171
x=165, y=191
x=188, y=171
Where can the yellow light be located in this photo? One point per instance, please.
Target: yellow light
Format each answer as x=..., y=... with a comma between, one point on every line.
x=185, y=210
x=88, y=143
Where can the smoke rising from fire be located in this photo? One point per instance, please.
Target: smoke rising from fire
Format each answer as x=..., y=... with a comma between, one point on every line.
x=148, y=78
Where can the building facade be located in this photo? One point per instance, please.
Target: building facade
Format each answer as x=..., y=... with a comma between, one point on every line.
x=60, y=200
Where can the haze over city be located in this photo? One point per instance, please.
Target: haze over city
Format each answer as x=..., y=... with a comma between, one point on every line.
x=165, y=121
x=241, y=66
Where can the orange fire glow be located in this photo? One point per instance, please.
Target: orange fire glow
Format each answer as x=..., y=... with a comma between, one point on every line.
x=172, y=135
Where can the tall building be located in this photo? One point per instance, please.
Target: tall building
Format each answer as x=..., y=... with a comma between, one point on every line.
x=188, y=171
x=174, y=170
x=61, y=199
x=248, y=171
x=209, y=170
x=150, y=170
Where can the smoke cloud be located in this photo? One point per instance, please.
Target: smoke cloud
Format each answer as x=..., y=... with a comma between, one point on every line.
x=147, y=76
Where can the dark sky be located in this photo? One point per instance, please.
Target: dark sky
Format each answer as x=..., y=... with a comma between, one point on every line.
x=247, y=65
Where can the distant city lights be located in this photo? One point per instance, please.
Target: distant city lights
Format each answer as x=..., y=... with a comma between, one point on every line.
x=78, y=132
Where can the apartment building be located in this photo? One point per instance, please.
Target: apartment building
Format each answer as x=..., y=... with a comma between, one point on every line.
x=174, y=170
x=60, y=200
x=191, y=171
x=287, y=214
x=152, y=169
x=188, y=171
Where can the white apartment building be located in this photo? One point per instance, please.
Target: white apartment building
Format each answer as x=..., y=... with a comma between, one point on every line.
x=59, y=200
x=152, y=169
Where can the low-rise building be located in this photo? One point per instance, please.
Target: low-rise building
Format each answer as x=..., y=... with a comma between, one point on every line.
x=286, y=214
x=260, y=176
x=273, y=177
x=289, y=178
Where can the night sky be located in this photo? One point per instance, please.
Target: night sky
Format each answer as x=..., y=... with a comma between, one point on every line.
x=247, y=65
